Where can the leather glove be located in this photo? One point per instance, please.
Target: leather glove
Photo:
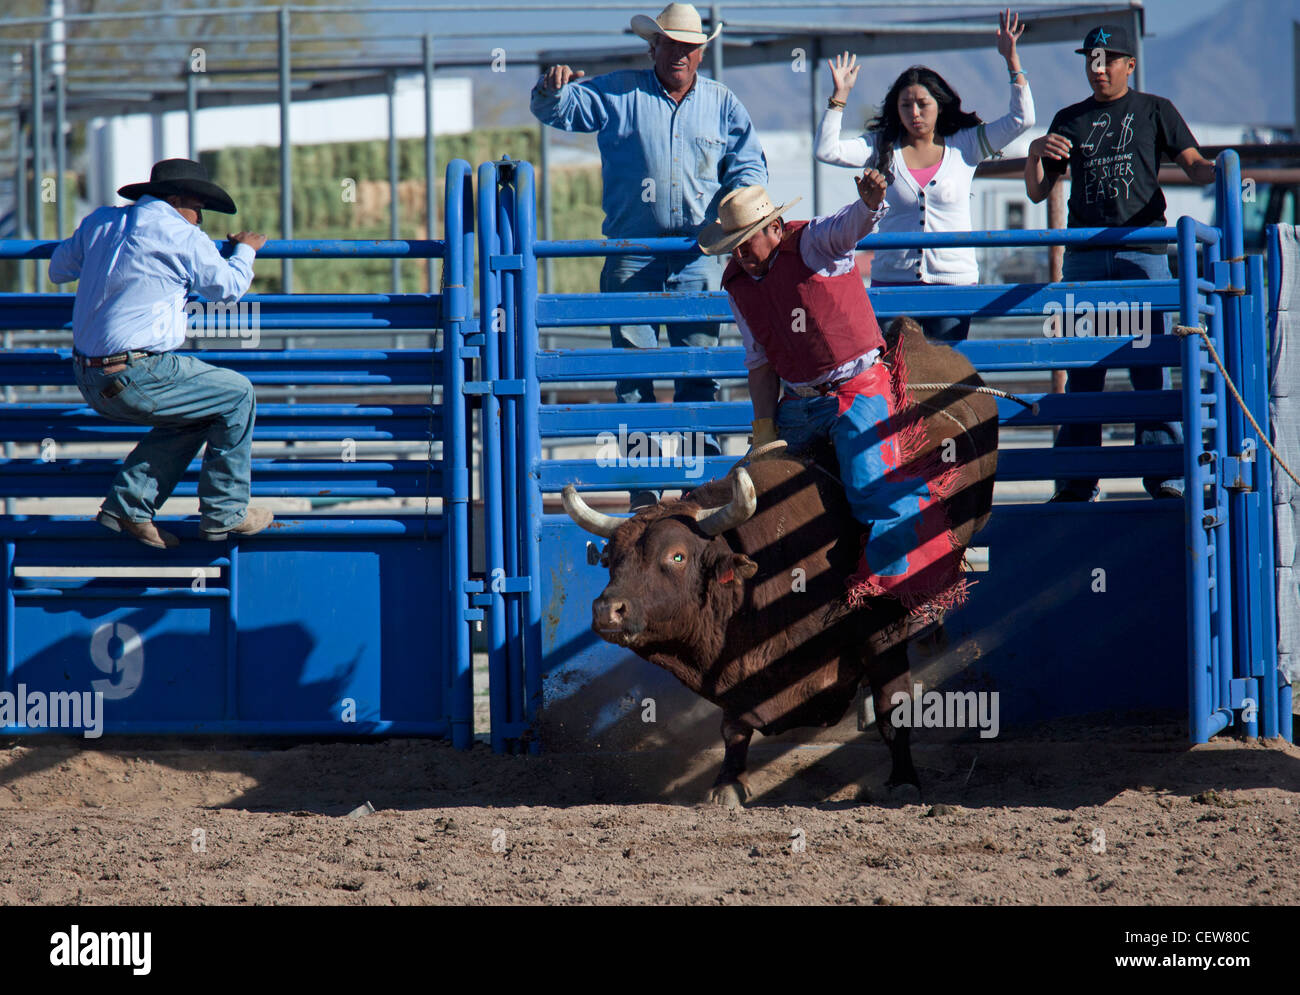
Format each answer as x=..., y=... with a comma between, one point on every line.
x=764, y=432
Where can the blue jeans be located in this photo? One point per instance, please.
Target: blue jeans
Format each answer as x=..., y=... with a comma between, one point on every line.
x=1115, y=265
x=188, y=403
x=659, y=274
x=857, y=421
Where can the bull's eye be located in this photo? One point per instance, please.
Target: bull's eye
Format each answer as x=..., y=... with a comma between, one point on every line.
x=678, y=558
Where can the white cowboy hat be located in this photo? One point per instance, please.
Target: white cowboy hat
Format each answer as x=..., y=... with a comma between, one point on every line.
x=678, y=21
x=740, y=214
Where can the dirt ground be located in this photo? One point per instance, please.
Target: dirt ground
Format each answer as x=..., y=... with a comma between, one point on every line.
x=1066, y=816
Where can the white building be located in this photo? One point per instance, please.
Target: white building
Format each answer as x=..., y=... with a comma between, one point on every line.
x=122, y=149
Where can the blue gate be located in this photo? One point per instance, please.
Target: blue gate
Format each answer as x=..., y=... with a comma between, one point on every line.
x=1121, y=605
x=329, y=624
x=360, y=625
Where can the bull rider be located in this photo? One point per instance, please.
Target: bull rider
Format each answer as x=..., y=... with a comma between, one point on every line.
x=811, y=337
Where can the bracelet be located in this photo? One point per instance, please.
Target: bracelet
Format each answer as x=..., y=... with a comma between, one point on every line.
x=1020, y=72
x=836, y=105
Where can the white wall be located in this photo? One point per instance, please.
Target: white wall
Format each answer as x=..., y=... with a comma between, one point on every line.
x=123, y=149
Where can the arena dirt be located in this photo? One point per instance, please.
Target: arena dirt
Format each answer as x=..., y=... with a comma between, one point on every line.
x=1086, y=816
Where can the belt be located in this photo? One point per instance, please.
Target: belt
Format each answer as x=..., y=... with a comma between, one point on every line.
x=117, y=358
x=816, y=390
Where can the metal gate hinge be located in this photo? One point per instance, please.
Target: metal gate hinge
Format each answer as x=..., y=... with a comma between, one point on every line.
x=1239, y=473
x=510, y=585
x=1241, y=690
x=498, y=388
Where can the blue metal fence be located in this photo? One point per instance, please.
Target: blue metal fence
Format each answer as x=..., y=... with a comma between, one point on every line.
x=343, y=625
x=287, y=631
x=1162, y=637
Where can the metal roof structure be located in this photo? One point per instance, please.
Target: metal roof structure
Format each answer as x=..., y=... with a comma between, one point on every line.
x=62, y=58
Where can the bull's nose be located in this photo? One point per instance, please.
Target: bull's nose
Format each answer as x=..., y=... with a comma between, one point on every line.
x=609, y=613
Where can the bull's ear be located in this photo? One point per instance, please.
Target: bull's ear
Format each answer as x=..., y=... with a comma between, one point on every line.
x=735, y=567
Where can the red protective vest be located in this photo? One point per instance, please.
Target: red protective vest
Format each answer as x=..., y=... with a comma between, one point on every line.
x=838, y=321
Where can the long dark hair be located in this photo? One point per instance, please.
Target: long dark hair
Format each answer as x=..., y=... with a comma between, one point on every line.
x=886, y=128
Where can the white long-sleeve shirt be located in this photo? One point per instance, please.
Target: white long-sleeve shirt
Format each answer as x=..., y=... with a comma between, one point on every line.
x=828, y=248
x=946, y=198
x=135, y=265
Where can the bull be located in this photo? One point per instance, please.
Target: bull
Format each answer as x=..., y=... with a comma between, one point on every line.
x=738, y=588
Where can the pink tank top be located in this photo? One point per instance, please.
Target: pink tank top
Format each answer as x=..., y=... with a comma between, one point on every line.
x=924, y=176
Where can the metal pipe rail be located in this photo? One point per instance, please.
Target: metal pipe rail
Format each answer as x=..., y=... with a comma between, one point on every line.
x=393, y=589
x=1209, y=288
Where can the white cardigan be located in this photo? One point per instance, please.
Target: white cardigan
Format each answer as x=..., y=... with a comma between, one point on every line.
x=946, y=197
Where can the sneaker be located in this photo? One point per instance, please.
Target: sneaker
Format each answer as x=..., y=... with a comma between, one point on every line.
x=145, y=532
x=1065, y=495
x=255, y=520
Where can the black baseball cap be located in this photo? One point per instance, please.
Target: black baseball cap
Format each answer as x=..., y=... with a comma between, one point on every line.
x=1111, y=37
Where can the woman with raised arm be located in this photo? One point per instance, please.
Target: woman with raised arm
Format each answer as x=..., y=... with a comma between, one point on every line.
x=927, y=147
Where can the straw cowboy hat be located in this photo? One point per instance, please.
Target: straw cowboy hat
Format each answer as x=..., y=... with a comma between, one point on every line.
x=678, y=21
x=184, y=177
x=741, y=213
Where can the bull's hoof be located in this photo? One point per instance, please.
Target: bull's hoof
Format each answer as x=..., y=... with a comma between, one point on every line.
x=733, y=794
x=904, y=794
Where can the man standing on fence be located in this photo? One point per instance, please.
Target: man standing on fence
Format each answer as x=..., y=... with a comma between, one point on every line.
x=810, y=333
x=135, y=265
x=1113, y=143
x=672, y=143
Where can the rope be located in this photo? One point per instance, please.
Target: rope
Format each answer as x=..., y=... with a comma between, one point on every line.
x=1185, y=330
x=1031, y=405
x=944, y=411
x=769, y=447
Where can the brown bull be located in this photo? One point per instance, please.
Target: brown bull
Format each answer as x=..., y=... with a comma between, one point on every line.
x=738, y=589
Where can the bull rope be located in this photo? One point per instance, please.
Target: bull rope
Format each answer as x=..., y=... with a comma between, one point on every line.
x=1185, y=330
x=1031, y=405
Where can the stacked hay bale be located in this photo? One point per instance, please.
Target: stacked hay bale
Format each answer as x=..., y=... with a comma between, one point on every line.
x=341, y=190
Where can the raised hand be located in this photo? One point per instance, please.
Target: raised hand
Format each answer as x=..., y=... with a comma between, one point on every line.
x=844, y=70
x=558, y=76
x=871, y=188
x=1008, y=35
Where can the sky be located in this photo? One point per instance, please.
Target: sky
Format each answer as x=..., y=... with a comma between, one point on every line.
x=1163, y=16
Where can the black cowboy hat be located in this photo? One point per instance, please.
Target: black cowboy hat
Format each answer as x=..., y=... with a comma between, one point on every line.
x=184, y=177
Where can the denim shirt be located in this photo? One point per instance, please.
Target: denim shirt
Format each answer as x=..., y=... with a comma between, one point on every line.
x=135, y=265
x=665, y=165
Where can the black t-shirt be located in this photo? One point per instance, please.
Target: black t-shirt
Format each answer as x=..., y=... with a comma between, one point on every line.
x=1115, y=154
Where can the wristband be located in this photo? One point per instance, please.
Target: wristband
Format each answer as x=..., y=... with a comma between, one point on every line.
x=836, y=105
x=1020, y=72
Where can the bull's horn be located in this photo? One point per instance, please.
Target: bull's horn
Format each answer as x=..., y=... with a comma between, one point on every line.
x=744, y=502
x=595, y=522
